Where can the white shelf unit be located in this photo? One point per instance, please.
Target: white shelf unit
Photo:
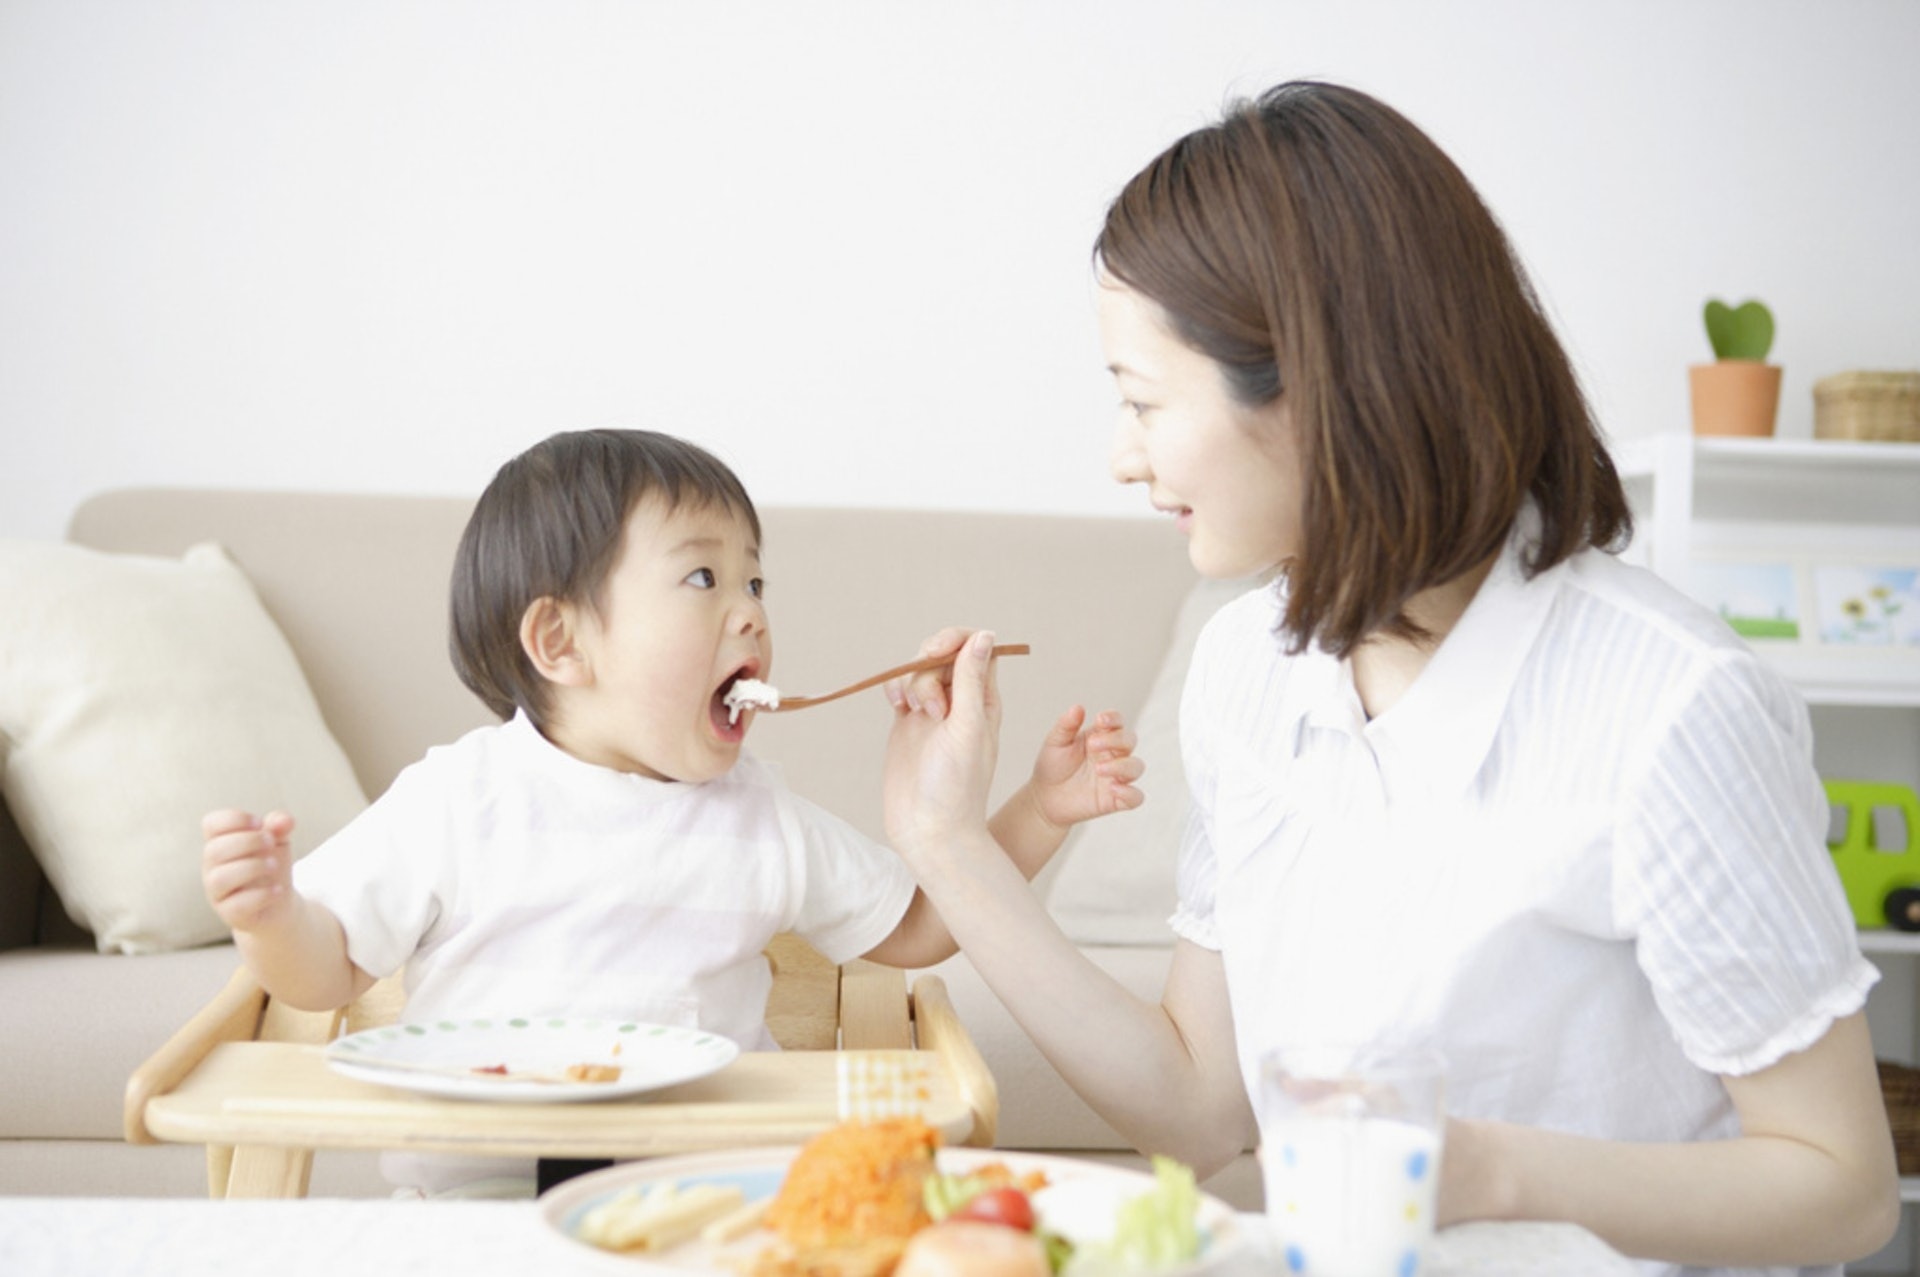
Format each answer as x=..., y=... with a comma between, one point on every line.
x=1802, y=500
x=1775, y=498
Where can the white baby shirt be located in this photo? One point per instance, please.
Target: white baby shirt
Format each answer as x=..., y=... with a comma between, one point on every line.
x=511, y=878
x=1584, y=854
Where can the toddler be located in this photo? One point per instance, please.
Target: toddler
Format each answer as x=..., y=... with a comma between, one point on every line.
x=610, y=849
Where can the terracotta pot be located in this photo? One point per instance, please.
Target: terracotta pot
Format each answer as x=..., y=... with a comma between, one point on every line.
x=1735, y=397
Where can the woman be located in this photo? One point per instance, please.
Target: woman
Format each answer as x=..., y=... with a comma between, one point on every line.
x=1459, y=774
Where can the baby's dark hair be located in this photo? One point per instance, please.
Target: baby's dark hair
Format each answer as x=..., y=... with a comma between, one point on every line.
x=550, y=525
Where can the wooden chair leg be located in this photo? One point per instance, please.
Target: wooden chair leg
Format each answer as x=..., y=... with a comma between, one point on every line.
x=219, y=1169
x=259, y=1171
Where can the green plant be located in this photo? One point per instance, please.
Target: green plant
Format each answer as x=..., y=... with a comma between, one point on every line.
x=1740, y=332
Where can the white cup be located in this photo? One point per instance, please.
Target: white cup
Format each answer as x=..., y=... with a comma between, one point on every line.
x=1350, y=1154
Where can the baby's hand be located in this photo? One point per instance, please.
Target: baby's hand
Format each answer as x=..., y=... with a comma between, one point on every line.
x=246, y=866
x=1086, y=769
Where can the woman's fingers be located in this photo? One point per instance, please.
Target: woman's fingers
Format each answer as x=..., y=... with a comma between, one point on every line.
x=945, y=642
x=911, y=692
x=929, y=691
x=973, y=676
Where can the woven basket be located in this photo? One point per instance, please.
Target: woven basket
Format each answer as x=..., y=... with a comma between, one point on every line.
x=1900, y=1084
x=1882, y=406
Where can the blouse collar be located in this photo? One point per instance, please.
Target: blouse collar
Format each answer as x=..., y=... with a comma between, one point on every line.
x=1433, y=740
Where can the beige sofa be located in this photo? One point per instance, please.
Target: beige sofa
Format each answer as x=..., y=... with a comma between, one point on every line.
x=357, y=585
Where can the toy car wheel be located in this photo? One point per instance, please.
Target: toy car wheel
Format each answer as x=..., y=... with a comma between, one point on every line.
x=1903, y=909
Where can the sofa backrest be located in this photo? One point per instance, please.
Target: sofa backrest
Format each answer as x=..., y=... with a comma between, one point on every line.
x=358, y=584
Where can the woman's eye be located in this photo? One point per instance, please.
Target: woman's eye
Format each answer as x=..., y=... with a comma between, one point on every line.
x=701, y=578
x=757, y=588
x=1133, y=408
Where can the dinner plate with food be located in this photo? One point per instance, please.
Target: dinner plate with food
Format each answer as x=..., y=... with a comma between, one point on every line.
x=882, y=1199
x=530, y=1059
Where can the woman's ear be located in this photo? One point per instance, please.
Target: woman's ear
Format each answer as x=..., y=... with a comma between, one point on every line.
x=549, y=635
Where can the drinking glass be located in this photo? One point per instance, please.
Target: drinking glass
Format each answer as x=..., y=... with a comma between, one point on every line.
x=1350, y=1156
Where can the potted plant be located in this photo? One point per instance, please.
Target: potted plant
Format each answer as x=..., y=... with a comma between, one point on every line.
x=1739, y=393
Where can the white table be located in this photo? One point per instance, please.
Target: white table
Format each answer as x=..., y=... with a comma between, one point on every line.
x=328, y=1237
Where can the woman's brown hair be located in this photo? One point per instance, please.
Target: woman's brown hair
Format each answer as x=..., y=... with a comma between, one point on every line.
x=550, y=525
x=1316, y=244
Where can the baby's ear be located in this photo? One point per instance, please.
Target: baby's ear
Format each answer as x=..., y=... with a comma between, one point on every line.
x=549, y=636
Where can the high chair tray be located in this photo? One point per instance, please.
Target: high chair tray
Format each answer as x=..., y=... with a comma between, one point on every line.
x=284, y=1094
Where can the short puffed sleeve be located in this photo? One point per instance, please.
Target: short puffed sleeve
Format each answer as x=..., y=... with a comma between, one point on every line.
x=1723, y=878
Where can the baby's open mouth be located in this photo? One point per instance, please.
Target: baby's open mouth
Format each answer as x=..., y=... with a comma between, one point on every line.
x=739, y=693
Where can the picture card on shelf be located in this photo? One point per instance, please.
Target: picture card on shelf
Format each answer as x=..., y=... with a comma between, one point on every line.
x=1761, y=600
x=1865, y=604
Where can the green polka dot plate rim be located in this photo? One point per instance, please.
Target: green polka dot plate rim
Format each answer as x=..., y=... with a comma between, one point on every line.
x=525, y=1059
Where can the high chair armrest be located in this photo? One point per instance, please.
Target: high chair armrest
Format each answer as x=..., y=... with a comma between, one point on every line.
x=940, y=1031
x=233, y=1015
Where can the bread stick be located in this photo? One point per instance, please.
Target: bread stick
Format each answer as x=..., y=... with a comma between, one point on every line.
x=736, y=1223
x=657, y=1218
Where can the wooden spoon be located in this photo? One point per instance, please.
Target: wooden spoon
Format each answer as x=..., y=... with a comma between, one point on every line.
x=776, y=702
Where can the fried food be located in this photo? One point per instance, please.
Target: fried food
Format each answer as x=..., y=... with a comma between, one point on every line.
x=593, y=1073
x=857, y=1188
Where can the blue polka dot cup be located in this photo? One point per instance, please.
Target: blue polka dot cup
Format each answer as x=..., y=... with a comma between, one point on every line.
x=1350, y=1156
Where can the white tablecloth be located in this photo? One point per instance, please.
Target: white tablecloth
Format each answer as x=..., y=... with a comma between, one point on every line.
x=141, y=1237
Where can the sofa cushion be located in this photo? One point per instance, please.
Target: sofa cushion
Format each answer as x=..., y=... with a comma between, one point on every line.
x=139, y=693
x=88, y=1020
x=1115, y=881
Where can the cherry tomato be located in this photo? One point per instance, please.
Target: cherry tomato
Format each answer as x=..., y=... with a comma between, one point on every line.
x=1007, y=1206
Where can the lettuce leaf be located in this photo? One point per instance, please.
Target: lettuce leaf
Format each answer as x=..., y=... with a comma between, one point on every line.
x=943, y=1194
x=1158, y=1229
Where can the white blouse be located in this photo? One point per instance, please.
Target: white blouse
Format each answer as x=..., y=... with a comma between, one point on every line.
x=1584, y=854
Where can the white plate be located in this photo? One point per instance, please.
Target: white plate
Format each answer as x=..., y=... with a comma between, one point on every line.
x=649, y=1056
x=759, y=1171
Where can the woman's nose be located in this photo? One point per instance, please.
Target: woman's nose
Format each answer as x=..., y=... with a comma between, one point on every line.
x=1124, y=461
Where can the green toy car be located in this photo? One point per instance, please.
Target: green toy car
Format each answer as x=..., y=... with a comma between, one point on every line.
x=1882, y=883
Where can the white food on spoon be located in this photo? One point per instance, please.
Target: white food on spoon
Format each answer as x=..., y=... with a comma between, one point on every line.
x=750, y=693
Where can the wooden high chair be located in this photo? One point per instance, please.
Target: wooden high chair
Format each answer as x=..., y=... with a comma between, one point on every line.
x=246, y=1078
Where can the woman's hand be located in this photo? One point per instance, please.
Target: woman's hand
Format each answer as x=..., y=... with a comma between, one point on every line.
x=1086, y=769
x=941, y=753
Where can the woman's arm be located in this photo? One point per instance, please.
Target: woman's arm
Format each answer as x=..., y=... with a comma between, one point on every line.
x=1810, y=1180
x=1164, y=1074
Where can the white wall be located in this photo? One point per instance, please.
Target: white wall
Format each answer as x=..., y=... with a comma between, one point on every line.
x=385, y=244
